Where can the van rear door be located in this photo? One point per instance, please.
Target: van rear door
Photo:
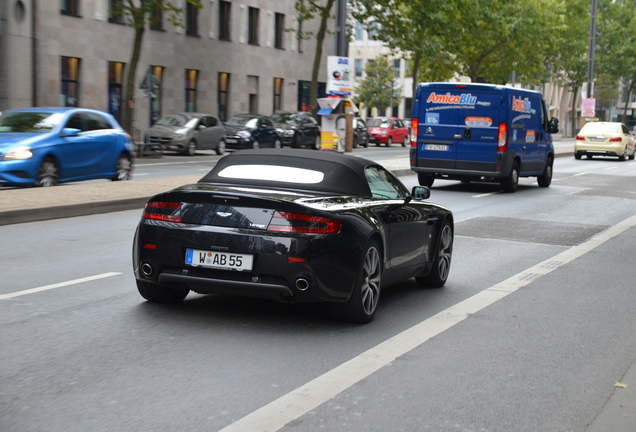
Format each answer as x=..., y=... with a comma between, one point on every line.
x=479, y=131
x=438, y=127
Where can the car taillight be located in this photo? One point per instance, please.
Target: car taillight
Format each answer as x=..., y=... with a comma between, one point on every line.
x=616, y=139
x=164, y=211
x=414, y=123
x=580, y=138
x=502, y=145
x=303, y=224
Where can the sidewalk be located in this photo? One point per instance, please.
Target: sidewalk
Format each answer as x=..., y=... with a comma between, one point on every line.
x=37, y=204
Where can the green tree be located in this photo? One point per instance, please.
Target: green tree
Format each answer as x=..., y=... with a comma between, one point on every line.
x=375, y=89
x=571, y=53
x=616, y=42
x=137, y=14
x=417, y=30
x=307, y=10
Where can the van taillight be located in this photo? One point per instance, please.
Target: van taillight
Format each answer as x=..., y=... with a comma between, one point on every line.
x=414, y=123
x=164, y=211
x=303, y=224
x=502, y=145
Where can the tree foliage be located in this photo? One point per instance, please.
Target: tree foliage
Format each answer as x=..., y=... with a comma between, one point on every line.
x=375, y=89
x=138, y=14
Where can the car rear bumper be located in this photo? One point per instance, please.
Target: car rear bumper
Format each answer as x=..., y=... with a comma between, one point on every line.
x=254, y=288
x=617, y=149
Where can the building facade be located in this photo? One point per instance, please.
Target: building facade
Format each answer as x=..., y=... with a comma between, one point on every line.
x=227, y=58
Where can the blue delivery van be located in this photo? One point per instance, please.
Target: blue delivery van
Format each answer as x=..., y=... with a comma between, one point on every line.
x=481, y=132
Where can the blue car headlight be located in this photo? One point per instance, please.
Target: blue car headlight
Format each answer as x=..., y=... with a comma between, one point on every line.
x=18, y=154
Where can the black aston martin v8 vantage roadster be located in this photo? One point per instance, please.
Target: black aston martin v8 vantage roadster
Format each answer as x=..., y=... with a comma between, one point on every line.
x=294, y=225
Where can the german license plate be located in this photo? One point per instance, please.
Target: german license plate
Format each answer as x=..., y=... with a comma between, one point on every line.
x=598, y=139
x=436, y=147
x=230, y=140
x=219, y=260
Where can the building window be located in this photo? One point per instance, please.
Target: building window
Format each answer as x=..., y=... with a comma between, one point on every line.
x=359, y=31
x=278, y=94
x=279, y=29
x=304, y=89
x=407, y=68
x=69, y=7
x=69, y=94
x=156, y=19
x=115, y=12
x=192, y=20
x=396, y=67
x=191, y=90
x=115, y=86
x=359, y=67
x=252, y=26
x=373, y=30
x=299, y=36
x=225, y=15
x=408, y=108
x=224, y=88
x=252, y=88
x=155, y=94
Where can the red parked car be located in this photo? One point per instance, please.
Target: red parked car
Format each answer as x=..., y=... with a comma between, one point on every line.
x=387, y=130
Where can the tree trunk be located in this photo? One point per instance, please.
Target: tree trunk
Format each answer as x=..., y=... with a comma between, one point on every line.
x=573, y=110
x=416, y=69
x=320, y=37
x=629, y=94
x=127, y=118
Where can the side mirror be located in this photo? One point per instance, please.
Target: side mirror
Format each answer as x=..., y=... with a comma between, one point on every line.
x=421, y=192
x=554, y=125
x=70, y=132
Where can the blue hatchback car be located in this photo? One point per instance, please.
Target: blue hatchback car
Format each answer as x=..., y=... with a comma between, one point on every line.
x=46, y=146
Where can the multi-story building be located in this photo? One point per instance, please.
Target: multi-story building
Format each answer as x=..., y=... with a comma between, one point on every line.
x=229, y=57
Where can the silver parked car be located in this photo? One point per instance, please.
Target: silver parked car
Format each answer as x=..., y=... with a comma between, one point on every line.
x=188, y=132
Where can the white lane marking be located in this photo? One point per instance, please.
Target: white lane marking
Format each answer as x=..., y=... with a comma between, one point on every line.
x=57, y=285
x=300, y=401
x=610, y=168
x=580, y=174
x=632, y=164
x=486, y=194
x=140, y=174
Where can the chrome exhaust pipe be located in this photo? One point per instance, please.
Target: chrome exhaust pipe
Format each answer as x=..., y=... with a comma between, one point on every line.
x=302, y=284
x=146, y=269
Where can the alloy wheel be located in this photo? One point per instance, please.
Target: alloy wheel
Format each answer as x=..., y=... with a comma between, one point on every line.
x=370, y=288
x=124, y=167
x=47, y=175
x=445, y=252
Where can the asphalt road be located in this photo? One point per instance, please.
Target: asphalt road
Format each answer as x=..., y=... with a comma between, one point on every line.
x=531, y=333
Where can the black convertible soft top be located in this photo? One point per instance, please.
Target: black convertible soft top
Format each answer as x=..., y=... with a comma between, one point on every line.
x=343, y=174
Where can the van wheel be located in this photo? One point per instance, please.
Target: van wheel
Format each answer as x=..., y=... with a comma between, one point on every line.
x=425, y=179
x=546, y=178
x=509, y=184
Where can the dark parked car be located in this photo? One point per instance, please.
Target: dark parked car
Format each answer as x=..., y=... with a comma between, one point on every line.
x=387, y=130
x=295, y=226
x=360, y=133
x=46, y=146
x=188, y=132
x=297, y=129
x=245, y=131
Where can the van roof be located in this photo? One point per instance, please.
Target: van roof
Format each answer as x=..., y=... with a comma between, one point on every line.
x=473, y=86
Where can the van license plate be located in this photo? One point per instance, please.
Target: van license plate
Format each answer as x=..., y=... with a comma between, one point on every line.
x=436, y=147
x=219, y=260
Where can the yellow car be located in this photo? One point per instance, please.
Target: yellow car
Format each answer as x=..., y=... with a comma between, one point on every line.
x=604, y=139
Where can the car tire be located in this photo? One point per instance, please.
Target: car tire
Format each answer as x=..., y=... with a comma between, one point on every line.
x=47, y=173
x=510, y=183
x=317, y=144
x=425, y=179
x=277, y=144
x=365, y=144
x=406, y=141
x=633, y=156
x=355, y=142
x=161, y=293
x=256, y=144
x=577, y=156
x=220, y=149
x=377, y=144
x=545, y=178
x=389, y=142
x=123, y=169
x=191, y=150
x=624, y=156
x=363, y=303
x=296, y=141
x=441, y=261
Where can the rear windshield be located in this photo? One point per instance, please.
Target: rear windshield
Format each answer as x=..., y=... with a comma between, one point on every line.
x=30, y=122
x=601, y=128
x=275, y=173
x=380, y=123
